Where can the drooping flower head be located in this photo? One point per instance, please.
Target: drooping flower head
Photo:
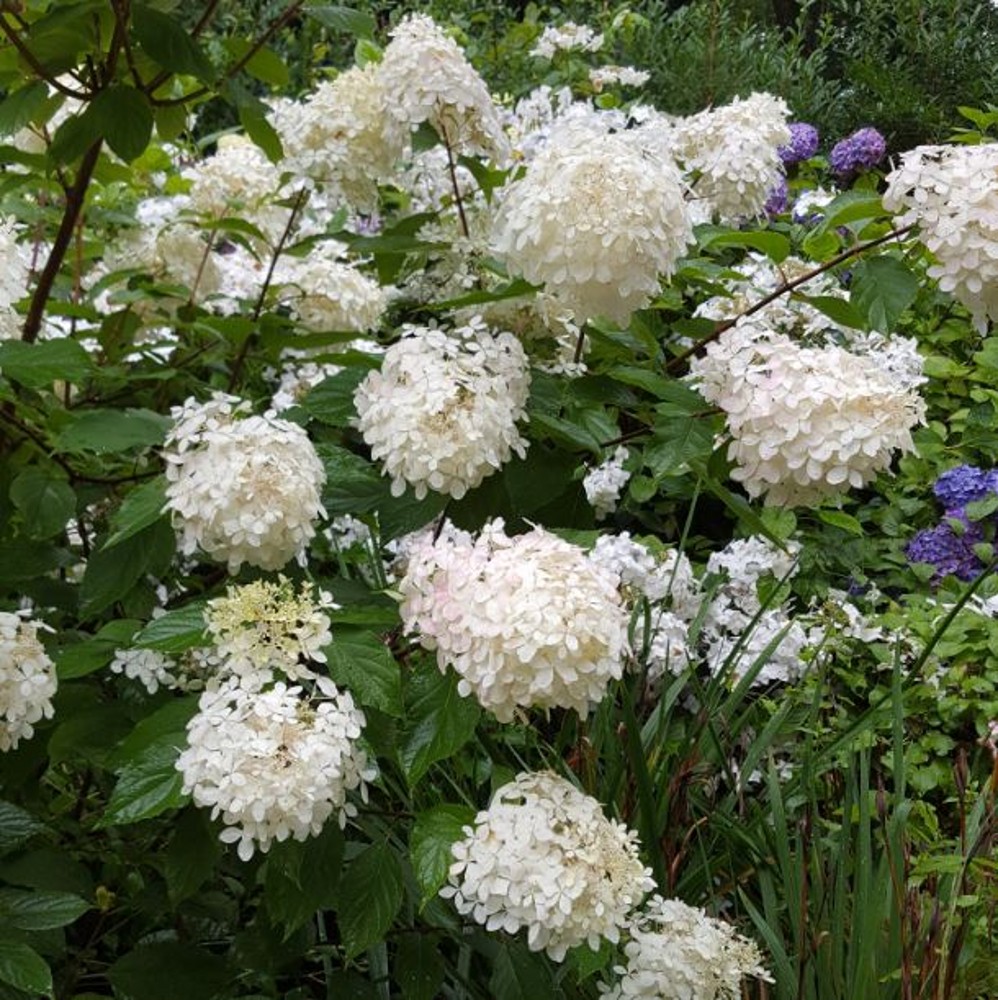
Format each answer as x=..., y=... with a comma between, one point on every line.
x=27, y=679
x=597, y=219
x=274, y=764
x=544, y=857
x=243, y=489
x=442, y=411
x=527, y=621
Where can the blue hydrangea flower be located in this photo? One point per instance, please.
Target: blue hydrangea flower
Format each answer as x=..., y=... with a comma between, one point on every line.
x=803, y=143
x=949, y=552
x=859, y=151
x=776, y=203
x=957, y=487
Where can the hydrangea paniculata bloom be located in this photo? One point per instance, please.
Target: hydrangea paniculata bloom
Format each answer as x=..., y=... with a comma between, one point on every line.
x=427, y=78
x=805, y=422
x=604, y=483
x=598, y=220
x=265, y=627
x=27, y=679
x=442, y=411
x=544, y=857
x=950, y=193
x=677, y=952
x=862, y=150
x=734, y=152
x=244, y=489
x=527, y=621
x=274, y=764
x=803, y=144
x=566, y=37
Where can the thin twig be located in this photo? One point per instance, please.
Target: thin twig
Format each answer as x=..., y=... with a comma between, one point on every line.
x=31, y=59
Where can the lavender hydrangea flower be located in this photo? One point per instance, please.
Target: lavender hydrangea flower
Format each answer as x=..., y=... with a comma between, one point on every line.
x=951, y=553
x=802, y=146
x=957, y=487
x=776, y=203
x=859, y=151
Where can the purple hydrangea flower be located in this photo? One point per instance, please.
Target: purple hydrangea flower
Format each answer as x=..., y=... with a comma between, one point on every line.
x=957, y=487
x=802, y=146
x=949, y=552
x=859, y=151
x=776, y=203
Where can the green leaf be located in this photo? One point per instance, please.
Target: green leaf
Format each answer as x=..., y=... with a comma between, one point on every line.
x=165, y=725
x=336, y=17
x=438, y=720
x=21, y=106
x=142, y=507
x=167, y=42
x=105, y=431
x=16, y=827
x=171, y=121
x=353, y=485
x=46, y=502
x=838, y=310
x=40, y=910
x=519, y=974
x=265, y=64
x=676, y=444
x=370, y=895
x=361, y=662
x=191, y=854
x=124, y=117
x=168, y=970
x=21, y=561
x=331, y=401
x=22, y=967
x=881, y=289
x=588, y=962
x=433, y=834
x=851, y=206
x=253, y=118
x=148, y=786
x=302, y=877
x=176, y=631
x=73, y=138
x=773, y=245
x=40, y=364
x=840, y=519
x=77, y=659
x=88, y=734
x=419, y=968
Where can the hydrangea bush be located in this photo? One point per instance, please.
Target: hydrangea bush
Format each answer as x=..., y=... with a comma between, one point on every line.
x=457, y=546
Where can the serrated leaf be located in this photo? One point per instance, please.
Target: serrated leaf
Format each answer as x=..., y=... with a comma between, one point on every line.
x=353, y=485
x=419, y=967
x=433, y=834
x=851, y=206
x=176, y=631
x=265, y=64
x=331, y=401
x=125, y=119
x=191, y=855
x=337, y=17
x=361, y=662
x=881, y=289
x=16, y=827
x=774, y=245
x=141, y=508
x=147, y=787
x=107, y=431
x=73, y=138
x=519, y=974
x=370, y=895
x=165, y=725
x=168, y=970
x=254, y=120
x=838, y=310
x=676, y=444
x=39, y=909
x=40, y=364
x=21, y=106
x=438, y=720
x=22, y=967
x=840, y=519
x=77, y=659
x=302, y=877
x=46, y=502
x=167, y=42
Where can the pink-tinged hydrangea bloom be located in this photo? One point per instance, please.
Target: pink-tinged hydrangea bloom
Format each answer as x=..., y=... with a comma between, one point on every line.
x=545, y=858
x=243, y=489
x=527, y=621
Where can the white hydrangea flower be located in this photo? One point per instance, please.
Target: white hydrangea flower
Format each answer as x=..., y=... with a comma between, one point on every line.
x=805, y=422
x=597, y=219
x=625, y=76
x=604, y=483
x=427, y=78
x=642, y=574
x=526, y=621
x=297, y=378
x=733, y=151
x=237, y=177
x=13, y=278
x=677, y=952
x=949, y=192
x=265, y=627
x=566, y=37
x=152, y=669
x=772, y=637
x=27, y=679
x=669, y=651
x=244, y=489
x=326, y=294
x=442, y=411
x=544, y=857
x=343, y=135
x=347, y=531
x=274, y=764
